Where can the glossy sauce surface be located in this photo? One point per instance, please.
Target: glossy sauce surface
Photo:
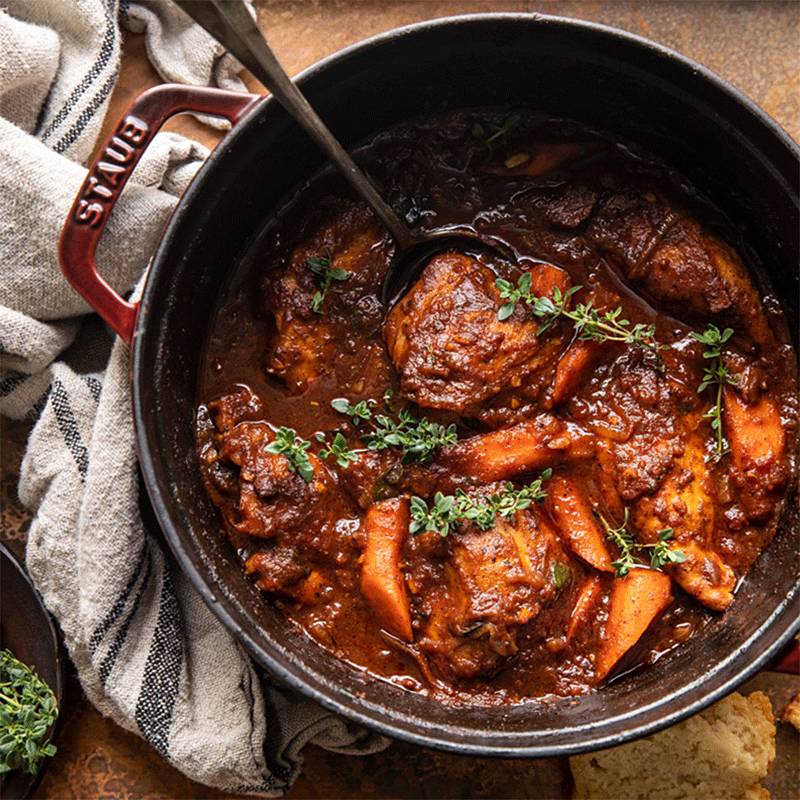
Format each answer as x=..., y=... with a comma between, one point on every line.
x=521, y=609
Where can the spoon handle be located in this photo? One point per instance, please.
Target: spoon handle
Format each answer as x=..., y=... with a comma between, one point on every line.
x=230, y=23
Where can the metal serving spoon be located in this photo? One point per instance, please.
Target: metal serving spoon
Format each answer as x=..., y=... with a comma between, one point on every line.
x=231, y=24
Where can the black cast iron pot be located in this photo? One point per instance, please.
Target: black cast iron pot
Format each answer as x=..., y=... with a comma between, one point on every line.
x=602, y=77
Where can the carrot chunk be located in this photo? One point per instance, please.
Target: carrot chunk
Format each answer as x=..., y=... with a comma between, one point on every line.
x=574, y=519
x=382, y=582
x=756, y=435
x=573, y=369
x=588, y=596
x=636, y=600
x=502, y=454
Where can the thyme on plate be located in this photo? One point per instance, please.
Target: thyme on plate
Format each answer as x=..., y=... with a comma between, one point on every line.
x=660, y=552
x=715, y=374
x=447, y=511
x=287, y=443
x=27, y=711
x=324, y=275
x=589, y=322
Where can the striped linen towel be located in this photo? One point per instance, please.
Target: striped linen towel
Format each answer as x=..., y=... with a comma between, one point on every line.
x=148, y=652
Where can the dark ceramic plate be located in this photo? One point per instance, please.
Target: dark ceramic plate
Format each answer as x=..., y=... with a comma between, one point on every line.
x=28, y=632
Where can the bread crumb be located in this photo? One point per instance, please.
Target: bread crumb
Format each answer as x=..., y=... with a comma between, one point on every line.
x=791, y=713
x=723, y=752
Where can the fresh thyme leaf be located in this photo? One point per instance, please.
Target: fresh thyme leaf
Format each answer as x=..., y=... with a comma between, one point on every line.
x=715, y=374
x=477, y=510
x=287, y=443
x=562, y=574
x=440, y=517
x=27, y=711
x=358, y=412
x=624, y=541
x=498, y=135
x=660, y=555
x=512, y=500
x=588, y=321
x=419, y=438
x=448, y=510
x=324, y=275
x=338, y=449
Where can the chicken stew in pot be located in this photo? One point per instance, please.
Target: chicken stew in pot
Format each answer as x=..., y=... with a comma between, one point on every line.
x=523, y=477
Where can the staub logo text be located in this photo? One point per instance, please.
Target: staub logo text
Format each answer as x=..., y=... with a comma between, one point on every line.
x=118, y=159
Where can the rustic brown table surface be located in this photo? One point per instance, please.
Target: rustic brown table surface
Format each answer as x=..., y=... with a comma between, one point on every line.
x=755, y=45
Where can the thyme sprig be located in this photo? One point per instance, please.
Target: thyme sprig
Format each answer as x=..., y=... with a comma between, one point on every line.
x=27, y=711
x=287, y=443
x=447, y=511
x=419, y=439
x=715, y=374
x=590, y=323
x=324, y=276
x=358, y=412
x=338, y=449
x=489, y=138
x=660, y=552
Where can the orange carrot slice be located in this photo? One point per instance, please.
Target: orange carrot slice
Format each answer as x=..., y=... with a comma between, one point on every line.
x=574, y=519
x=572, y=370
x=636, y=600
x=588, y=596
x=536, y=444
x=382, y=582
x=756, y=435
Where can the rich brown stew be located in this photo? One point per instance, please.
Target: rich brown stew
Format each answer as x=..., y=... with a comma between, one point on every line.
x=530, y=491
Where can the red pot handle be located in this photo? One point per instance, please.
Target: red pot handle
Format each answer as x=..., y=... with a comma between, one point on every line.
x=107, y=176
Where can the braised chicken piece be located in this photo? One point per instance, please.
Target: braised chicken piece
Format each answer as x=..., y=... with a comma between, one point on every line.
x=306, y=343
x=266, y=498
x=678, y=261
x=683, y=504
x=528, y=477
x=637, y=422
x=492, y=582
x=447, y=344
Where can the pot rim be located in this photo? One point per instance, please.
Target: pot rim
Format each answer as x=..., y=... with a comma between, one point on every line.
x=783, y=622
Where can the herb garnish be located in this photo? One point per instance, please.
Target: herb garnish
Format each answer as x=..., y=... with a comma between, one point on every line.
x=338, y=449
x=588, y=321
x=448, y=510
x=489, y=138
x=562, y=574
x=418, y=438
x=358, y=412
x=441, y=515
x=715, y=374
x=660, y=554
x=27, y=711
x=324, y=275
x=287, y=443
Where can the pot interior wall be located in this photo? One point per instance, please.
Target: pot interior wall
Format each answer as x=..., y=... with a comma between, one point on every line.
x=521, y=61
